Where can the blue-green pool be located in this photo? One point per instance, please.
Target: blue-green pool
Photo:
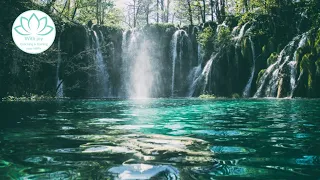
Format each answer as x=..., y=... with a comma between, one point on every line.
x=160, y=139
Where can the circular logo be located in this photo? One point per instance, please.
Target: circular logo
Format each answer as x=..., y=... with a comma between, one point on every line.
x=33, y=32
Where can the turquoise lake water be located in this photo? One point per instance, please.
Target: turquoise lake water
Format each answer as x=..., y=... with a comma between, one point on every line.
x=160, y=139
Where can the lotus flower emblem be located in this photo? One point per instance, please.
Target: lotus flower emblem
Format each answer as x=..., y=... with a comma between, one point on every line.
x=33, y=26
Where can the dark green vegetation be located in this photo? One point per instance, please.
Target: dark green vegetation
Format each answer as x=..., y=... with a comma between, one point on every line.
x=186, y=139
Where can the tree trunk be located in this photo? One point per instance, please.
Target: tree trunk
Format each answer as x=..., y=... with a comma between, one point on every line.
x=212, y=10
x=74, y=12
x=190, y=12
x=134, y=14
x=204, y=11
x=162, y=11
x=158, y=11
x=168, y=10
x=97, y=11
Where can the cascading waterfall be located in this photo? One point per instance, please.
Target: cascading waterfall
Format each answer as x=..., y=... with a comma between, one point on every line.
x=247, y=89
x=195, y=73
x=59, y=84
x=142, y=73
x=174, y=55
x=269, y=82
x=241, y=34
x=102, y=73
x=202, y=79
x=293, y=64
x=137, y=67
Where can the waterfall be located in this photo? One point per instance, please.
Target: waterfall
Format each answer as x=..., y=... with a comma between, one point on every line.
x=137, y=66
x=206, y=72
x=102, y=73
x=125, y=64
x=269, y=82
x=192, y=79
x=293, y=64
x=194, y=74
x=59, y=84
x=241, y=34
x=174, y=55
x=247, y=89
x=201, y=79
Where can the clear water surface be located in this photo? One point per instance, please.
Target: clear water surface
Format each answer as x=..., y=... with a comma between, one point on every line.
x=160, y=139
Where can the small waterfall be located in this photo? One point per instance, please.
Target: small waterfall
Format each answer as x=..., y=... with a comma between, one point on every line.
x=206, y=72
x=195, y=73
x=125, y=64
x=293, y=75
x=241, y=34
x=247, y=89
x=174, y=45
x=192, y=79
x=59, y=84
x=201, y=79
x=102, y=73
x=269, y=82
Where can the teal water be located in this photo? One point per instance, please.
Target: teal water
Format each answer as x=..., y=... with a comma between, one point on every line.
x=160, y=139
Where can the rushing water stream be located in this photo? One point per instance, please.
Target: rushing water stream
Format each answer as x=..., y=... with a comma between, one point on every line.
x=160, y=138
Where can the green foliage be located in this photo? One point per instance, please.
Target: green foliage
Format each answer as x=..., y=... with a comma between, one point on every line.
x=235, y=96
x=317, y=42
x=162, y=26
x=205, y=36
x=29, y=98
x=318, y=67
x=246, y=17
x=207, y=96
x=272, y=58
x=260, y=75
x=224, y=35
x=306, y=62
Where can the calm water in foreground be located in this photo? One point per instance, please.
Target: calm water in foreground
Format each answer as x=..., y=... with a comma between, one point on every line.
x=160, y=139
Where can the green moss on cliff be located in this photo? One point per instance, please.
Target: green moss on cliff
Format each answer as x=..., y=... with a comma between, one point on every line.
x=272, y=58
x=260, y=75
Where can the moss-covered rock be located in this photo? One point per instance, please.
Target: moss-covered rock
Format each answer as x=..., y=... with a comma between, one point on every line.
x=260, y=74
x=272, y=58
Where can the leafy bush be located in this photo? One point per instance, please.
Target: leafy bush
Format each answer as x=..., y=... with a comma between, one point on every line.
x=272, y=58
x=235, y=96
x=224, y=35
x=207, y=96
x=205, y=36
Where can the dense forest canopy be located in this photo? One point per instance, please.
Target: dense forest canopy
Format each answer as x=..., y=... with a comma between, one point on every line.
x=133, y=13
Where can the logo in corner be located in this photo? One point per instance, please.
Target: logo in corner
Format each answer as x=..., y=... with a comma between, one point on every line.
x=33, y=32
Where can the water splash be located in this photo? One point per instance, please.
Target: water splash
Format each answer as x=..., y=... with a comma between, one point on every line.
x=137, y=67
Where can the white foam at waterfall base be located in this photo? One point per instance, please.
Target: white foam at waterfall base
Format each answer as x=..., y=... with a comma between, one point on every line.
x=142, y=73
